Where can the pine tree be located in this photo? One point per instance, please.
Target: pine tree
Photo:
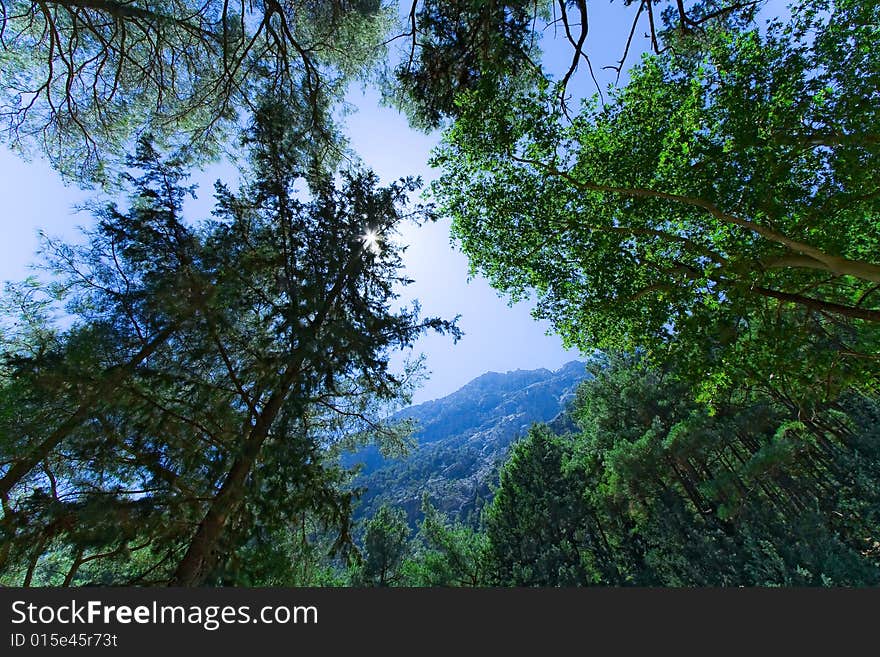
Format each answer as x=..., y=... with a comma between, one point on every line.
x=234, y=355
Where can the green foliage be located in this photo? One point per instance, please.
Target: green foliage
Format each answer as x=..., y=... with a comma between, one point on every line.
x=184, y=422
x=447, y=553
x=717, y=217
x=720, y=211
x=82, y=79
x=534, y=524
x=656, y=491
x=385, y=543
x=440, y=553
x=456, y=46
x=453, y=48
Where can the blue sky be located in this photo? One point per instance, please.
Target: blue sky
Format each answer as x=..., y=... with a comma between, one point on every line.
x=497, y=337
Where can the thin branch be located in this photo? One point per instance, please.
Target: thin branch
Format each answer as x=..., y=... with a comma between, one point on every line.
x=837, y=264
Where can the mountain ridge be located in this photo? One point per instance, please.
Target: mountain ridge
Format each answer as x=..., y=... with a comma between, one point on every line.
x=462, y=439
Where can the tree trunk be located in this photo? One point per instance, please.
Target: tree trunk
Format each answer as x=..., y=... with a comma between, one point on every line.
x=192, y=569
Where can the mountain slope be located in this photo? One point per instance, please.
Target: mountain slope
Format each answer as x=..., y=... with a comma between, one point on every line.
x=463, y=438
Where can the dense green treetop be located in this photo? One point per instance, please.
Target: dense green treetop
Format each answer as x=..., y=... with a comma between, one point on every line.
x=723, y=205
x=190, y=408
x=653, y=490
x=82, y=79
x=460, y=46
x=716, y=218
x=386, y=537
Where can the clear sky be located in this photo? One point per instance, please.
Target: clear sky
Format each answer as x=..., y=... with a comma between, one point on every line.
x=497, y=337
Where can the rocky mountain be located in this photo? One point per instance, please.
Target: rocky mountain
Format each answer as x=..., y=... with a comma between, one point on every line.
x=463, y=438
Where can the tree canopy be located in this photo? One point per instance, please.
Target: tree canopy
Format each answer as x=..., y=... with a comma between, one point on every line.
x=173, y=402
x=720, y=208
x=192, y=407
x=654, y=491
x=84, y=78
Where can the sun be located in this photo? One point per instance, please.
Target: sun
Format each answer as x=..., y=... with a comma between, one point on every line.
x=371, y=241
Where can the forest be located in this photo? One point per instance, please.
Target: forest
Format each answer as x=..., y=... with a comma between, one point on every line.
x=178, y=393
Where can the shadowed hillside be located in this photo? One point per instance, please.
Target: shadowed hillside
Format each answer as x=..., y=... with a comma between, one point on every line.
x=463, y=438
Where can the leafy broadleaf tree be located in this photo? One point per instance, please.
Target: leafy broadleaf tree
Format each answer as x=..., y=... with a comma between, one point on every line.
x=720, y=210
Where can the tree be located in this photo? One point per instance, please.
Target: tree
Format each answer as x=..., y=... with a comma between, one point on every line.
x=269, y=330
x=386, y=542
x=447, y=553
x=656, y=491
x=535, y=525
x=83, y=78
x=455, y=47
x=721, y=209
x=747, y=495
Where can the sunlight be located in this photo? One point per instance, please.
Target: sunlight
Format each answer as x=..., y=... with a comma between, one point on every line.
x=371, y=241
